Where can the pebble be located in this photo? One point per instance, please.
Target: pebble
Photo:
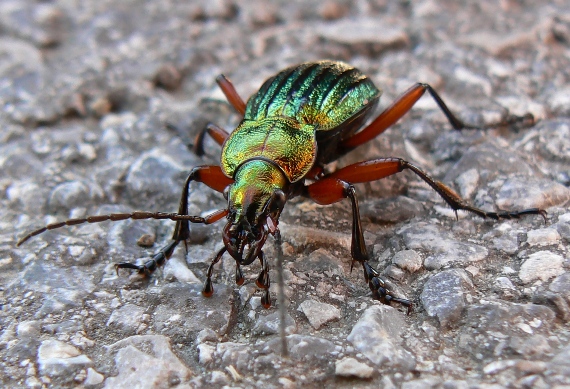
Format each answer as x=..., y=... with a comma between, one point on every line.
x=93, y=377
x=443, y=296
x=306, y=348
x=445, y=249
x=146, y=361
x=523, y=193
x=563, y=226
x=271, y=324
x=542, y=237
x=377, y=336
x=319, y=313
x=127, y=318
x=541, y=265
x=408, y=260
x=350, y=367
x=57, y=358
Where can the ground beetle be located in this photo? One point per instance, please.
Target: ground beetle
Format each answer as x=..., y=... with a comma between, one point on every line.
x=301, y=119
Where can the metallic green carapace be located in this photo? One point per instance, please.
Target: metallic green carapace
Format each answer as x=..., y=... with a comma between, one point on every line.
x=284, y=119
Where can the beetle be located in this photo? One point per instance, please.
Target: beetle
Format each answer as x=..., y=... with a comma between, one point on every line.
x=301, y=119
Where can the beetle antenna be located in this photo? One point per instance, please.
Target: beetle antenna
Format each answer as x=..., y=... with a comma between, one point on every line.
x=137, y=215
x=281, y=293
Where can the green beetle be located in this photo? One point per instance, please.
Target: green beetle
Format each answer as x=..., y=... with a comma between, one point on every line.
x=301, y=119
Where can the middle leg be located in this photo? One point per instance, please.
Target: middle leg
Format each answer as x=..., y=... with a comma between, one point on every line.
x=329, y=191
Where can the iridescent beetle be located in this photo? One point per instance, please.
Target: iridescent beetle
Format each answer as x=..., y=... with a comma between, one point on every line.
x=301, y=119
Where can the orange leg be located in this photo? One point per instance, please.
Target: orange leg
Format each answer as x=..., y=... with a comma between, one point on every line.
x=218, y=134
x=330, y=190
x=404, y=103
x=231, y=94
x=383, y=167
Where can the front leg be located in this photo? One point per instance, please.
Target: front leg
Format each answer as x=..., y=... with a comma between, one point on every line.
x=213, y=177
x=329, y=191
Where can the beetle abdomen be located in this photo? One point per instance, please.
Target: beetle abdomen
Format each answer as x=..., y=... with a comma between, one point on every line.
x=324, y=94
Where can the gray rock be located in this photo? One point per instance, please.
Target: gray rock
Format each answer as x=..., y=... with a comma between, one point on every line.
x=408, y=260
x=93, y=377
x=71, y=194
x=561, y=285
x=442, y=247
x=307, y=348
x=391, y=210
x=271, y=324
x=155, y=176
x=541, y=265
x=319, y=313
x=491, y=326
x=57, y=358
x=127, y=319
x=377, y=336
x=369, y=36
x=521, y=193
x=146, y=362
x=181, y=310
x=563, y=226
x=443, y=296
x=542, y=237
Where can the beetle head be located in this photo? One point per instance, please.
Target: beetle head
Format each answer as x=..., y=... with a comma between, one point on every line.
x=255, y=201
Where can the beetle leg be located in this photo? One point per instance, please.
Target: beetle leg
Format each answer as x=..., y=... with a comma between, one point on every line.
x=263, y=282
x=383, y=167
x=231, y=94
x=330, y=190
x=218, y=134
x=404, y=103
x=208, y=289
x=213, y=177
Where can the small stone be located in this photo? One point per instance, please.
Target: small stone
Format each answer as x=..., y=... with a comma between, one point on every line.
x=523, y=193
x=319, y=313
x=392, y=210
x=146, y=240
x=468, y=182
x=350, y=367
x=57, y=358
x=445, y=249
x=443, y=295
x=304, y=347
x=563, y=226
x=168, y=77
x=377, y=336
x=504, y=283
x=93, y=377
x=127, y=319
x=69, y=195
x=332, y=10
x=146, y=360
x=271, y=324
x=561, y=285
x=498, y=366
x=541, y=265
x=365, y=34
x=543, y=237
x=408, y=260
x=29, y=328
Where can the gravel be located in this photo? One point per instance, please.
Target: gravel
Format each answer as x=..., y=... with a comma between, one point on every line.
x=100, y=104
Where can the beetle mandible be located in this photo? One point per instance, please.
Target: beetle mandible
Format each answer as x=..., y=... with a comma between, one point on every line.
x=300, y=119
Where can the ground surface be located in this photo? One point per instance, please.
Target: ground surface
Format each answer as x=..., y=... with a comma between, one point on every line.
x=86, y=89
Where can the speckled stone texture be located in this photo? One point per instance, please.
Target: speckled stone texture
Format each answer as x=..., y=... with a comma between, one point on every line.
x=99, y=102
